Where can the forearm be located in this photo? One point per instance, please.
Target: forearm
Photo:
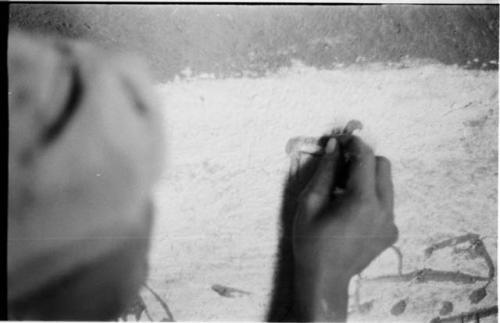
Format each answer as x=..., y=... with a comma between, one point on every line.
x=320, y=297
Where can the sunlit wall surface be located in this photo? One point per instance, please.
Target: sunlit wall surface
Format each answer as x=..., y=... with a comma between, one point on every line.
x=236, y=82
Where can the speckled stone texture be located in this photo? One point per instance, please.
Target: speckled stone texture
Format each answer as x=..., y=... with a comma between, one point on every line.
x=239, y=82
x=219, y=199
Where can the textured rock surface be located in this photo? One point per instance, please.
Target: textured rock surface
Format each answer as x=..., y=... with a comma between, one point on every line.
x=227, y=40
x=218, y=202
x=219, y=199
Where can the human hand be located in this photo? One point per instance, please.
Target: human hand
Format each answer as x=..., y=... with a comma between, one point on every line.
x=337, y=234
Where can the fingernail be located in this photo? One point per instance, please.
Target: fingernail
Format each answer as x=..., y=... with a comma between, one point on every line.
x=331, y=145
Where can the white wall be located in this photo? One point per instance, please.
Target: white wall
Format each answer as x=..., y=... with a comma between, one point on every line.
x=218, y=201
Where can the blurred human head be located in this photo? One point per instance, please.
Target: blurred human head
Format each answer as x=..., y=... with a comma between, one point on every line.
x=85, y=149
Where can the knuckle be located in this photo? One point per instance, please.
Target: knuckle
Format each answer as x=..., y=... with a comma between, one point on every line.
x=358, y=147
x=384, y=161
x=382, y=211
x=367, y=150
x=312, y=201
x=309, y=200
x=366, y=199
x=385, y=212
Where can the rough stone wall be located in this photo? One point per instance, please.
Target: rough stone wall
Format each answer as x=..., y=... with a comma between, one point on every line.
x=220, y=197
x=231, y=40
x=242, y=81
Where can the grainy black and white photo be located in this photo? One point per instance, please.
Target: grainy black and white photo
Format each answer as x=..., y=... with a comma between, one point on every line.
x=253, y=162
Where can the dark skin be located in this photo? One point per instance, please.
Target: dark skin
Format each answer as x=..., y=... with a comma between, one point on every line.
x=337, y=235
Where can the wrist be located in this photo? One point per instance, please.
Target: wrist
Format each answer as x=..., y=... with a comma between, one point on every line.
x=321, y=296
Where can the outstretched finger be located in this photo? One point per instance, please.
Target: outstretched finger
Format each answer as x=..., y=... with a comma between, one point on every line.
x=361, y=166
x=385, y=188
x=318, y=191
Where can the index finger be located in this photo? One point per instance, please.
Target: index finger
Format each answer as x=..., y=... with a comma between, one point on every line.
x=360, y=165
x=319, y=188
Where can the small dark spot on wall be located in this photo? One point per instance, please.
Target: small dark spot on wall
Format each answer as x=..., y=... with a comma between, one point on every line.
x=477, y=122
